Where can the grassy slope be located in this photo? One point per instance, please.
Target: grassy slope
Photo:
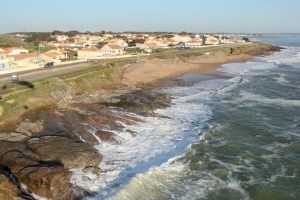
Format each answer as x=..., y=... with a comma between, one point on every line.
x=18, y=98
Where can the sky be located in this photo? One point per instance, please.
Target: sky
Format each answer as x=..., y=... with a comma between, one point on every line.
x=238, y=16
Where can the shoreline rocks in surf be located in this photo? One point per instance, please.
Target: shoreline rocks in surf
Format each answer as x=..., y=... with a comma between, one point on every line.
x=46, y=143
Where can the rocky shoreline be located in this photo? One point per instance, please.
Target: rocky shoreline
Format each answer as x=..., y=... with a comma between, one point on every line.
x=47, y=143
x=38, y=152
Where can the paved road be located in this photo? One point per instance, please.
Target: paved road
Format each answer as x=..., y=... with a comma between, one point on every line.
x=36, y=74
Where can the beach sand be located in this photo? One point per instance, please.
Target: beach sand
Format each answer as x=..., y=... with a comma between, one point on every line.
x=156, y=70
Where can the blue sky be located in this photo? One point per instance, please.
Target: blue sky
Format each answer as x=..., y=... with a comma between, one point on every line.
x=251, y=16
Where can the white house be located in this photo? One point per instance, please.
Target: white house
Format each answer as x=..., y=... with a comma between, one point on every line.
x=26, y=59
x=119, y=42
x=4, y=62
x=194, y=43
x=212, y=40
x=179, y=38
x=89, y=53
x=61, y=38
x=112, y=49
x=14, y=51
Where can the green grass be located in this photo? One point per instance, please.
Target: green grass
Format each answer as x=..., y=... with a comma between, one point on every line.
x=84, y=80
x=32, y=48
x=10, y=41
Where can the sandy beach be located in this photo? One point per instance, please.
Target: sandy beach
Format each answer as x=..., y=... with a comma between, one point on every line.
x=155, y=70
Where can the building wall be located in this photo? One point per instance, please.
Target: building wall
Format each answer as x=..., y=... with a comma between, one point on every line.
x=4, y=62
x=83, y=55
x=109, y=51
x=27, y=62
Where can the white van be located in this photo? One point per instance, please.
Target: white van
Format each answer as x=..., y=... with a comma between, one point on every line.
x=14, y=78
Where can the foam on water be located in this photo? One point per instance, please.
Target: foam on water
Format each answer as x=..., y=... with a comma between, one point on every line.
x=290, y=55
x=244, y=68
x=168, y=181
x=148, y=165
x=246, y=96
x=157, y=140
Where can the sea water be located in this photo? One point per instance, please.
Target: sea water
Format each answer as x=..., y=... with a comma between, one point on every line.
x=236, y=138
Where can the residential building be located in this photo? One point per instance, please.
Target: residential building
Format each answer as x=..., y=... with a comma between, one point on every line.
x=194, y=43
x=89, y=53
x=26, y=59
x=13, y=51
x=61, y=38
x=51, y=56
x=4, y=62
x=112, y=49
x=212, y=40
x=181, y=39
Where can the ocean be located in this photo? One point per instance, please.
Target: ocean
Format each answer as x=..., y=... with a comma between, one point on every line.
x=234, y=138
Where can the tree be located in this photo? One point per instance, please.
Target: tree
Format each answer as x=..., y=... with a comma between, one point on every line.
x=168, y=36
x=10, y=41
x=72, y=33
x=246, y=39
x=141, y=41
x=203, y=39
x=56, y=32
x=101, y=44
x=38, y=37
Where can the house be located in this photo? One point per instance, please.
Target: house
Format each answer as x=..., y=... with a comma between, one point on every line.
x=167, y=42
x=26, y=59
x=61, y=38
x=64, y=54
x=119, y=42
x=148, y=47
x=13, y=51
x=112, y=49
x=4, y=62
x=51, y=56
x=194, y=43
x=181, y=39
x=212, y=40
x=89, y=53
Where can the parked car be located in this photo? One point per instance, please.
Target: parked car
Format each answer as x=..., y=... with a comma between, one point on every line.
x=14, y=78
x=49, y=64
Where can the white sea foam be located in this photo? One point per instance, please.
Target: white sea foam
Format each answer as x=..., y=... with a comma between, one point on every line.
x=290, y=55
x=245, y=68
x=157, y=140
x=168, y=181
x=281, y=79
x=145, y=166
x=246, y=96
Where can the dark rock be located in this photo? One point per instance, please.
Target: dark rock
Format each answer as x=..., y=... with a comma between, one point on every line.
x=51, y=182
x=10, y=188
x=47, y=179
x=105, y=135
x=71, y=153
x=93, y=170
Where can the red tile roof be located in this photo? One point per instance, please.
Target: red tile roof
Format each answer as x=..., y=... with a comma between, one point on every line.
x=51, y=54
x=114, y=46
x=24, y=56
x=90, y=49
